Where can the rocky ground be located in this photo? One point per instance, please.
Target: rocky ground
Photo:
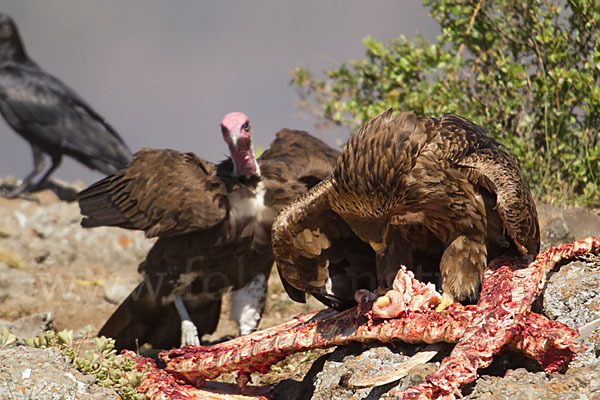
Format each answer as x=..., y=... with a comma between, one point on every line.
x=56, y=275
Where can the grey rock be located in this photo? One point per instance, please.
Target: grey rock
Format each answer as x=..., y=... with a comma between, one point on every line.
x=582, y=222
x=15, y=283
x=117, y=292
x=572, y=296
x=44, y=374
x=29, y=326
x=330, y=375
x=576, y=384
x=560, y=225
x=555, y=232
x=332, y=381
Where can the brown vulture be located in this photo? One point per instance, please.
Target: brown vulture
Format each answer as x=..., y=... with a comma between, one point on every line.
x=213, y=224
x=50, y=116
x=434, y=194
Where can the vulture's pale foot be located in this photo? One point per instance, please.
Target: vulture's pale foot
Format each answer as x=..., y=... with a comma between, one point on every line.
x=248, y=304
x=447, y=301
x=189, y=334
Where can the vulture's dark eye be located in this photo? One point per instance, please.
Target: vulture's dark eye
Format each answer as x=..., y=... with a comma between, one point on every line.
x=246, y=126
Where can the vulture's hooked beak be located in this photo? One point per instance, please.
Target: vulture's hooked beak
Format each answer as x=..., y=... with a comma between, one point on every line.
x=234, y=141
x=377, y=246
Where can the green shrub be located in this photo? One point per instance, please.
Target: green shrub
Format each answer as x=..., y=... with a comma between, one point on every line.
x=527, y=71
x=102, y=361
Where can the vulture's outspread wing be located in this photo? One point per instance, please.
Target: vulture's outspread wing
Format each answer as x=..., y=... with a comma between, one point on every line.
x=296, y=155
x=162, y=192
x=295, y=162
x=213, y=224
x=317, y=252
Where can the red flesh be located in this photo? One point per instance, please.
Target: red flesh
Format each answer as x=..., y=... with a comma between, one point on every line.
x=158, y=384
x=502, y=317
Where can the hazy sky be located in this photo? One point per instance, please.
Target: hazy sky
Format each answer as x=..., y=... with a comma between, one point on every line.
x=165, y=72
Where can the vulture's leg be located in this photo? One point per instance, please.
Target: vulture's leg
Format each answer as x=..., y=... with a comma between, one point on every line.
x=462, y=267
x=189, y=333
x=39, y=163
x=465, y=255
x=248, y=304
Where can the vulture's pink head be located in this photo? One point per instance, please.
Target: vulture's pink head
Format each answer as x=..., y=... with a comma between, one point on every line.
x=237, y=132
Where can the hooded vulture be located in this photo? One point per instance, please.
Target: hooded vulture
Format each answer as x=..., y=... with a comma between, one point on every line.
x=434, y=194
x=213, y=224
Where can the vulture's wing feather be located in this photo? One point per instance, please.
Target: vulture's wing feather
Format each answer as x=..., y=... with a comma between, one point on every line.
x=296, y=155
x=162, y=192
x=140, y=319
x=295, y=162
x=467, y=145
x=317, y=252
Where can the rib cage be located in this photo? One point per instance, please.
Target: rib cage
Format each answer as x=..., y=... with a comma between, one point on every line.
x=502, y=317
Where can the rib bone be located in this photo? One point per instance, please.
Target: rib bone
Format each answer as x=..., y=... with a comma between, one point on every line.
x=501, y=318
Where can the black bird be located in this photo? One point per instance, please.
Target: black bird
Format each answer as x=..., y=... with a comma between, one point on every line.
x=50, y=116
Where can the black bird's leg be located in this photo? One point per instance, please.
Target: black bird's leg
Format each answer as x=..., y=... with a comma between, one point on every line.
x=39, y=163
x=56, y=160
x=189, y=332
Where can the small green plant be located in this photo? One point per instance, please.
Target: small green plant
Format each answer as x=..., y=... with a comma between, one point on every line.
x=6, y=338
x=526, y=71
x=110, y=370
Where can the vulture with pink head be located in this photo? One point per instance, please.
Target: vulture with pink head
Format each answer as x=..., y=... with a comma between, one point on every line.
x=213, y=224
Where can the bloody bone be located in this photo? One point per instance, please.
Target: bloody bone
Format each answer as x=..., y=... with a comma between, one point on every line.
x=329, y=328
x=501, y=317
x=505, y=300
x=157, y=384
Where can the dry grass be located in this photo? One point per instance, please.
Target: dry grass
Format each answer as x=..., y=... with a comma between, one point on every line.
x=11, y=259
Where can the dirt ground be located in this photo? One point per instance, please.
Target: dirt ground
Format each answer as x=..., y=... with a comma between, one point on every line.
x=48, y=263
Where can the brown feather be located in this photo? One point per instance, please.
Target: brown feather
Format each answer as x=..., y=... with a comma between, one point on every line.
x=442, y=194
x=205, y=244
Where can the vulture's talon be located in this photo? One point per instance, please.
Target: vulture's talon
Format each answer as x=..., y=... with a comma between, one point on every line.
x=446, y=302
x=213, y=224
x=189, y=334
x=383, y=301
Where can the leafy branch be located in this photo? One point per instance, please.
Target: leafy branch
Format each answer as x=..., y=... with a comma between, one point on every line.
x=527, y=72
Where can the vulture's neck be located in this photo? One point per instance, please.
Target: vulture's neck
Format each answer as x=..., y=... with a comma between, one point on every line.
x=249, y=204
x=246, y=170
x=244, y=162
